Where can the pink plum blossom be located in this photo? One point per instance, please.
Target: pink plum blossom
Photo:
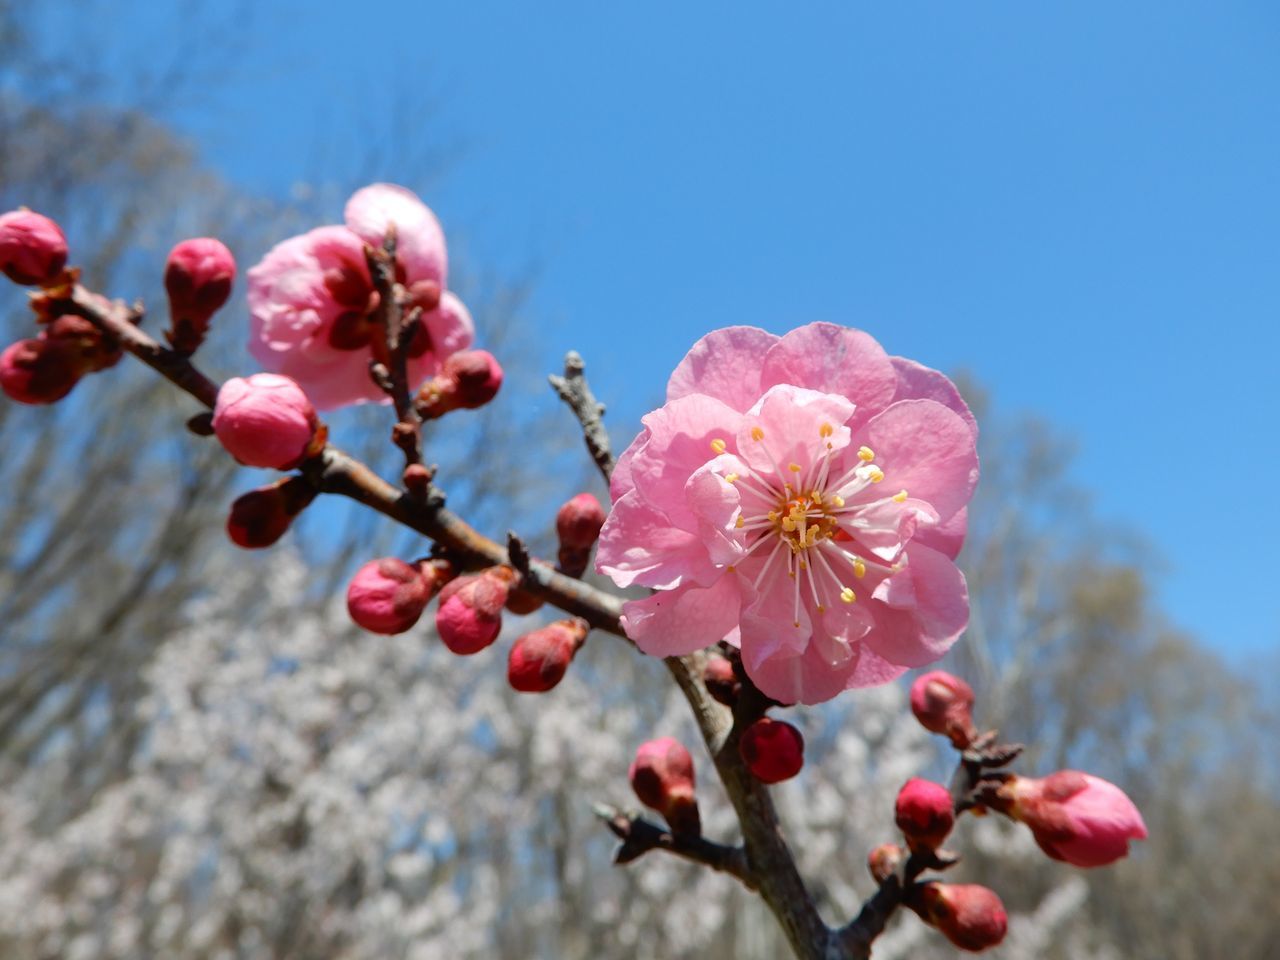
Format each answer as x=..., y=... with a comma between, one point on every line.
x=312, y=301
x=1075, y=817
x=804, y=498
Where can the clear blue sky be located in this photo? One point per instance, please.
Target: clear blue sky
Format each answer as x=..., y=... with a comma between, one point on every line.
x=1079, y=203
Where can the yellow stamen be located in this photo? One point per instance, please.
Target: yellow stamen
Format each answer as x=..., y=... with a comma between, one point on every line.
x=731, y=568
x=757, y=434
x=793, y=467
x=740, y=522
x=875, y=475
x=795, y=623
x=900, y=497
x=847, y=595
x=826, y=430
x=866, y=454
x=718, y=445
x=730, y=478
x=859, y=568
x=838, y=501
x=821, y=608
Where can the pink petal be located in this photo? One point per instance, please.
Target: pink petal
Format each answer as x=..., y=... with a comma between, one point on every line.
x=921, y=610
x=947, y=537
x=724, y=364
x=807, y=678
x=674, y=622
x=621, y=482
x=918, y=382
x=926, y=449
x=420, y=246
x=833, y=359
x=792, y=422
x=640, y=545
x=717, y=505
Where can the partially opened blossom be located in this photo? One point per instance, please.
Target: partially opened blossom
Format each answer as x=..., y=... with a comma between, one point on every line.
x=803, y=497
x=312, y=300
x=1075, y=817
x=265, y=420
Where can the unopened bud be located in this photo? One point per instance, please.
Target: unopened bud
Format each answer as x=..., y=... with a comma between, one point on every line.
x=468, y=379
x=924, y=814
x=265, y=420
x=260, y=517
x=884, y=861
x=33, y=249
x=38, y=371
x=721, y=681
x=388, y=595
x=94, y=350
x=662, y=777
x=773, y=750
x=943, y=703
x=1075, y=817
x=198, y=278
x=539, y=659
x=578, y=524
x=469, y=616
x=522, y=602
x=970, y=916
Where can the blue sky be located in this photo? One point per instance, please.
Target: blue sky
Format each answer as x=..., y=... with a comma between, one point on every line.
x=1079, y=203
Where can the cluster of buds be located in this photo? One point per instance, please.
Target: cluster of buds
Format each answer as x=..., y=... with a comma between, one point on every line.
x=197, y=278
x=266, y=420
x=662, y=777
x=578, y=524
x=467, y=380
x=45, y=368
x=388, y=596
x=539, y=659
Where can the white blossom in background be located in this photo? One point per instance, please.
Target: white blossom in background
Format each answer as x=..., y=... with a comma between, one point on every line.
x=310, y=791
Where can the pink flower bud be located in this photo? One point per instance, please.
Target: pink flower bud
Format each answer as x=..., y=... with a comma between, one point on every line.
x=94, y=350
x=539, y=659
x=924, y=813
x=260, y=517
x=1075, y=817
x=388, y=595
x=470, y=612
x=578, y=525
x=662, y=777
x=265, y=420
x=773, y=750
x=38, y=371
x=970, y=916
x=943, y=703
x=32, y=248
x=198, y=278
x=721, y=681
x=884, y=860
x=469, y=379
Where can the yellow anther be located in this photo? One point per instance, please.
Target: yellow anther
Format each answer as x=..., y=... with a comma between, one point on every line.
x=803, y=565
x=740, y=522
x=821, y=608
x=773, y=515
x=793, y=467
x=816, y=497
x=900, y=497
x=730, y=478
x=837, y=501
x=826, y=430
x=731, y=568
x=791, y=573
x=718, y=445
x=788, y=524
x=795, y=623
x=875, y=474
x=757, y=433
x=859, y=568
x=847, y=595
x=866, y=454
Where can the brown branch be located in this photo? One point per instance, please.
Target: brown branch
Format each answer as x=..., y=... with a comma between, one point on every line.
x=392, y=351
x=639, y=836
x=574, y=390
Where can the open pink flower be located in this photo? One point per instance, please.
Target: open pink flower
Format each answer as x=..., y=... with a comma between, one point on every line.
x=311, y=299
x=803, y=497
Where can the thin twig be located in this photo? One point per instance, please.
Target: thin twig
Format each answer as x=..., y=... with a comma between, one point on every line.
x=574, y=390
x=392, y=350
x=639, y=836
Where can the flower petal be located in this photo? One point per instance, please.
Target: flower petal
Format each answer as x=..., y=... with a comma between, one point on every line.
x=795, y=426
x=639, y=545
x=807, y=678
x=834, y=359
x=675, y=622
x=918, y=382
x=921, y=610
x=420, y=246
x=724, y=364
x=928, y=450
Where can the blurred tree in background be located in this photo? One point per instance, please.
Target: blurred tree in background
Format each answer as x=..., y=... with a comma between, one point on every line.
x=201, y=758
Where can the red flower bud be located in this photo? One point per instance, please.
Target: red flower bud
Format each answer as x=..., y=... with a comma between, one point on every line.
x=469, y=616
x=539, y=659
x=260, y=517
x=265, y=420
x=468, y=379
x=970, y=916
x=721, y=682
x=32, y=248
x=198, y=278
x=522, y=602
x=578, y=524
x=1075, y=817
x=662, y=777
x=943, y=703
x=884, y=860
x=38, y=371
x=388, y=595
x=773, y=750
x=924, y=814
